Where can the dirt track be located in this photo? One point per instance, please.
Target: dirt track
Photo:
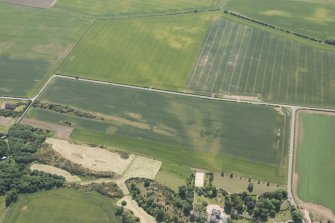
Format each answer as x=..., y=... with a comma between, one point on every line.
x=32, y=3
x=54, y=170
x=311, y=207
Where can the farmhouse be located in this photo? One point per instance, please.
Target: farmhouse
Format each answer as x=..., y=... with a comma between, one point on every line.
x=217, y=217
x=10, y=106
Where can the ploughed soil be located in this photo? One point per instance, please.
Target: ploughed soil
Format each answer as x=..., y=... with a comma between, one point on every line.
x=62, y=132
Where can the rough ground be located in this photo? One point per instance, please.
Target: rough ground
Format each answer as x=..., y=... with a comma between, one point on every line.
x=95, y=159
x=62, y=132
x=6, y=121
x=54, y=170
x=32, y=3
x=311, y=207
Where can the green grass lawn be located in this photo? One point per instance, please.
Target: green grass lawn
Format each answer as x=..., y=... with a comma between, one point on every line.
x=157, y=52
x=239, y=184
x=243, y=60
x=131, y=7
x=194, y=132
x=173, y=175
x=32, y=43
x=313, y=18
x=315, y=159
x=62, y=205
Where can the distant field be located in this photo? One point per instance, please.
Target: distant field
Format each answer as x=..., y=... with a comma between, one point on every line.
x=315, y=159
x=310, y=17
x=198, y=133
x=145, y=51
x=240, y=60
x=62, y=205
x=32, y=43
x=131, y=7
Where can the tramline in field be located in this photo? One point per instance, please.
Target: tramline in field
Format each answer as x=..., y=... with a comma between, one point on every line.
x=238, y=60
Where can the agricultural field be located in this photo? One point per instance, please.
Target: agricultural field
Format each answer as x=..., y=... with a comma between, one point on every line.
x=32, y=44
x=315, y=159
x=2, y=206
x=155, y=52
x=131, y=7
x=62, y=205
x=310, y=17
x=246, y=62
x=248, y=140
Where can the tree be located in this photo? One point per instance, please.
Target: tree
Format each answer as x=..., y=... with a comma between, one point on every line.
x=214, y=192
x=146, y=183
x=187, y=208
x=159, y=215
x=124, y=203
x=296, y=216
x=250, y=187
x=277, y=204
x=118, y=211
x=11, y=196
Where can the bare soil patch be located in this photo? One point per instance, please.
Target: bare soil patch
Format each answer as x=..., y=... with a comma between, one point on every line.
x=242, y=98
x=6, y=121
x=62, y=132
x=57, y=171
x=310, y=207
x=199, y=179
x=33, y=3
x=95, y=159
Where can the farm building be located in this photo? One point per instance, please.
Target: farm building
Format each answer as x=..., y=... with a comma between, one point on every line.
x=10, y=106
x=217, y=217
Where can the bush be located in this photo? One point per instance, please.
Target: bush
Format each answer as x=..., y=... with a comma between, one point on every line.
x=124, y=203
x=250, y=187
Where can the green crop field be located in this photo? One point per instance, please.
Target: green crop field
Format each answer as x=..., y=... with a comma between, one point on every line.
x=244, y=139
x=310, y=17
x=315, y=159
x=32, y=43
x=62, y=205
x=131, y=7
x=144, y=51
x=237, y=59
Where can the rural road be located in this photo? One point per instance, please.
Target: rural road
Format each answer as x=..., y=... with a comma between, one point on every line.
x=291, y=157
x=294, y=109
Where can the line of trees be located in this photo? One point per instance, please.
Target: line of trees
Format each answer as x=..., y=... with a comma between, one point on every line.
x=330, y=42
